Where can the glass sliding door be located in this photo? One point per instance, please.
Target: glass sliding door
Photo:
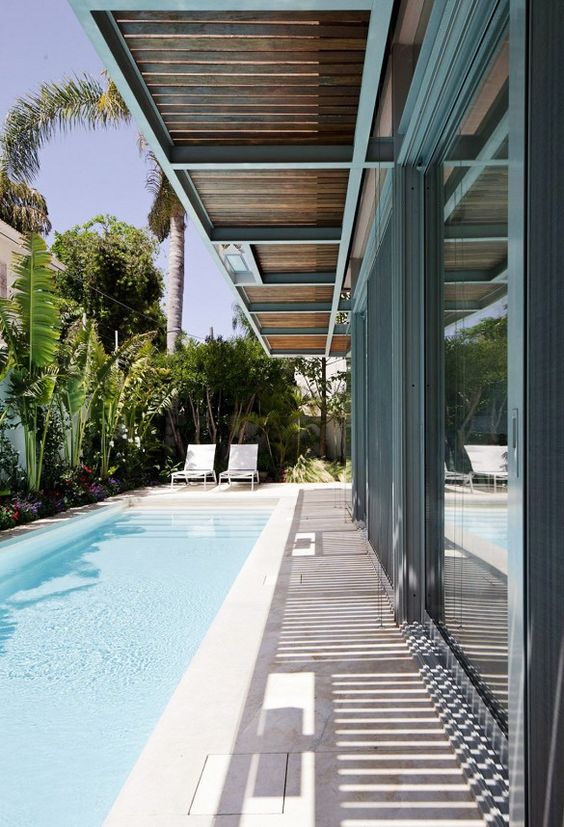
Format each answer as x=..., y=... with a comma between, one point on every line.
x=473, y=289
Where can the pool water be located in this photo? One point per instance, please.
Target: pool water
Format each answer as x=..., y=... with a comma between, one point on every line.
x=94, y=638
x=488, y=523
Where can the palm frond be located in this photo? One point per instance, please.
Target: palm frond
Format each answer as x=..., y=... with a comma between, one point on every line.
x=23, y=207
x=165, y=200
x=35, y=304
x=36, y=118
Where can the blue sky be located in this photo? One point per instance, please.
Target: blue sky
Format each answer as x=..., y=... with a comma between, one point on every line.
x=86, y=173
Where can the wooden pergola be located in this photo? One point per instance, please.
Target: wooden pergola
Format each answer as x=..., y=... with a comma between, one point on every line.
x=260, y=114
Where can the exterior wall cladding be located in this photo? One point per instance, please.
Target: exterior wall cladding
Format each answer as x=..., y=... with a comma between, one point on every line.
x=535, y=300
x=378, y=408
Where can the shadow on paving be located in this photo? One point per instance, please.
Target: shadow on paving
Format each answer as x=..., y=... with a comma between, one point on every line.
x=337, y=728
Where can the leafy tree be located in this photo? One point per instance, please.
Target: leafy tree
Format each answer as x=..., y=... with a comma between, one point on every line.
x=84, y=102
x=225, y=386
x=326, y=395
x=110, y=268
x=475, y=385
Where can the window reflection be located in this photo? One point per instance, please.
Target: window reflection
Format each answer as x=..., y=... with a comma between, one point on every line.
x=476, y=277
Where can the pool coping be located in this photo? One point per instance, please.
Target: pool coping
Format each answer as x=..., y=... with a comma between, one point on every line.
x=203, y=714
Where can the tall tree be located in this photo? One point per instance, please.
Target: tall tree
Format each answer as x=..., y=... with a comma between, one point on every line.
x=111, y=275
x=85, y=102
x=167, y=220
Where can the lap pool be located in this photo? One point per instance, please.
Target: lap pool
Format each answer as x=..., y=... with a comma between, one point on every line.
x=97, y=625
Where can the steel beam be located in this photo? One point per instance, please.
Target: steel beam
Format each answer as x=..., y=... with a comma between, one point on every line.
x=298, y=352
x=303, y=279
x=380, y=152
x=276, y=235
x=492, y=277
x=380, y=19
x=218, y=5
x=475, y=232
x=489, y=149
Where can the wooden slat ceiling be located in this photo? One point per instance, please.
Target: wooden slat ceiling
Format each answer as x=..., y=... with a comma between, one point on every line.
x=261, y=79
x=304, y=198
x=474, y=255
x=293, y=293
x=296, y=342
x=340, y=345
x=251, y=77
x=291, y=258
x=285, y=320
x=486, y=200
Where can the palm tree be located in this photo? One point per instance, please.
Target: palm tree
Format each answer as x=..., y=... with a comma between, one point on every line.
x=22, y=207
x=167, y=220
x=85, y=102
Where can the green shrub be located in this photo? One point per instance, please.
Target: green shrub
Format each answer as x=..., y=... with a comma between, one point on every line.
x=309, y=469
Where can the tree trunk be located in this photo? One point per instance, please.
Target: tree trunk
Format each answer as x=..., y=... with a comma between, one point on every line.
x=175, y=281
x=323, y=410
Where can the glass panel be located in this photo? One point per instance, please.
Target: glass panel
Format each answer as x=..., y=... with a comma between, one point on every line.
x=475, y=281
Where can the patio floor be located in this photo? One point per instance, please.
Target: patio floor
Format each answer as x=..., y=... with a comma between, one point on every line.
x=315, y=715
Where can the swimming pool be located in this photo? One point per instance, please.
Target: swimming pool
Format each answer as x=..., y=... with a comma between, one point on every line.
x=489, y=523
x=94, y=637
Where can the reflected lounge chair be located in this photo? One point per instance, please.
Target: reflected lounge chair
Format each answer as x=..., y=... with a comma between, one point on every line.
x=242, y=465
x=198, y=466
x=488, y=461
x=459, y=476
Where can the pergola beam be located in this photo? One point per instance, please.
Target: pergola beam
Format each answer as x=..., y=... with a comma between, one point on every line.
x=377, y=38
x=497, y=275
x=276, y=235
x=475, y=232
x=303, y=279
x=316, y=351
x=489, y=148
x=219, y=5
x=380, y=153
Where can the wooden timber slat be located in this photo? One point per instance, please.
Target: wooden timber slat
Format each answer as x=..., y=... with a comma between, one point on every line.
x=290, y=258
x=288, y=293
x=230, y=44
x=285, y=320
x=296, y=342
x=310, y=58
x=472, y=255
x=303, y=198
x=209, y=16
x=340, y=344
x=486, y=200
x=473, y=292
x=298, y=101
x=214, y=30
x=177, y=120
x=195, y=60
x=182, y=70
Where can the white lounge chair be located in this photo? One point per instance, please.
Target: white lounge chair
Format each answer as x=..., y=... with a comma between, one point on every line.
x=199, y=465
x=488, y=461
x=242, y=465
x=459, y=476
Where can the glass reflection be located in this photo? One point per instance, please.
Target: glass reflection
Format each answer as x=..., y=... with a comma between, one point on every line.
x=475, y=387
